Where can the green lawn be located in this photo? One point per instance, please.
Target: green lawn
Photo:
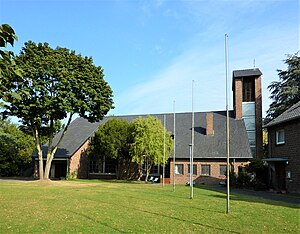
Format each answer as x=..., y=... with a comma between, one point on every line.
x=112, y=207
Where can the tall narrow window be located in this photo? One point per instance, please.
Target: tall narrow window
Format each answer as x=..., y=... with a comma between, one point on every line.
x=94, y=166
x=223, y=170
x=280, y=137
x=205, y=170
x=194, y=169
x=248, y=90
x=179, y=169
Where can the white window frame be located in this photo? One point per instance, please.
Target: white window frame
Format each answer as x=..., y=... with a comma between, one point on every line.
x=280, y=131
x=177, y=172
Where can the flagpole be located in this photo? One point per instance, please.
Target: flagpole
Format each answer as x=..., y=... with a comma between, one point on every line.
x=192, y=146
x=174, y=149
x=227, y=127
x=163, y=182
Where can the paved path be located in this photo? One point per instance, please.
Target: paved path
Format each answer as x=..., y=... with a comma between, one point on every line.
x=288, y=198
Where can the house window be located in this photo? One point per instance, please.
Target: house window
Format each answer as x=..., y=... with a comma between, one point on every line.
x=104, y=165
x=154, y=169
x=223, y=170
x=205, y=170
x=179, y=169
x=194, y=169
x=94, y=166
x=280, y=137
x=110, y=166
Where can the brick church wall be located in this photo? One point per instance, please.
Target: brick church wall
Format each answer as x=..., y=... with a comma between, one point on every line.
x=79, y=163
x=214, y=178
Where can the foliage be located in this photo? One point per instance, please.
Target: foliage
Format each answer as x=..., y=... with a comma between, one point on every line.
x=55, y=84
x=45, y=130
x=256, y=166
x=112, y=140
x=148, y=143
x=260, y=171
x=7, y=65
x=286, y=91
x=109, y=207
x=72, y=175
x=16, y=149
x=254, y=177
x=265, y=143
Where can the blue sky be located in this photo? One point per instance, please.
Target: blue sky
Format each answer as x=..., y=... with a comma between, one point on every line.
x=151, y=50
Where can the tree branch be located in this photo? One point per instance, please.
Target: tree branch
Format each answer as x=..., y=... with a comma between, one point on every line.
x=63, y=134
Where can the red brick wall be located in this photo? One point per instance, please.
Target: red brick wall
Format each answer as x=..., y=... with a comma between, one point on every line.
x=214, y=177
x=238, y=98
x=290, y=149
x=78, y=164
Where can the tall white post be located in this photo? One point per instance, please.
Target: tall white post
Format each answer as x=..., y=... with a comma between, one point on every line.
x=174, y=149
x=164, y=164
x=192, y=146
x=227, y=128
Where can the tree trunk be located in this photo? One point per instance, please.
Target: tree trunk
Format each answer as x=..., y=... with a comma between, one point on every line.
x=41, y=164
x=47, y=170
x=148, y=169
x=48, y=166
x=39, y=151
x=140, y=173
x=51, y=151
x=118, y=169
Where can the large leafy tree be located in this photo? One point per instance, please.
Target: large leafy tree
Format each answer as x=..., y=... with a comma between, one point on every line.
x=55, y=84
x=7, y=65
x=16, y=148
x=286, y=91
x=148, y=149
x=112, y=141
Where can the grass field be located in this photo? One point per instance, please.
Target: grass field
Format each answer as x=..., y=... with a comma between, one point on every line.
x=112, y=207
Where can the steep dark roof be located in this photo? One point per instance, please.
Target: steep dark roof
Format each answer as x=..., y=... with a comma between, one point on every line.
x=205, y=146
x=247, y=72
x=290, y=114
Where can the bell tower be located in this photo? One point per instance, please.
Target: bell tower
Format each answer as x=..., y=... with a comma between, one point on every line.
x=247, y=105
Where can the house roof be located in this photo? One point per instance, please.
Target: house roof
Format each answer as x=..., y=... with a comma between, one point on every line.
x=244, y=73
x=290, y=114
x=80, y=130
x=247, y=72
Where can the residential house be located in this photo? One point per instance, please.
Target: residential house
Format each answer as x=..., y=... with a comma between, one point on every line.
x=284, y=151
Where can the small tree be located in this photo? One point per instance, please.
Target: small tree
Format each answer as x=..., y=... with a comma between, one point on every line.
x=148, y=143
x=112, y=141
x=55, y=84
x=286, y=91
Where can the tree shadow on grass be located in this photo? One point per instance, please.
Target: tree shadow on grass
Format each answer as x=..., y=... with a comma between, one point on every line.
x=170, y=195
x=177, y=204
x=255, y=196
x=95, y=221
x=180, y=219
